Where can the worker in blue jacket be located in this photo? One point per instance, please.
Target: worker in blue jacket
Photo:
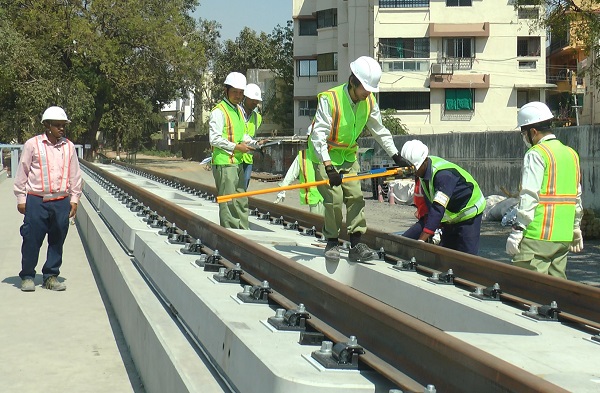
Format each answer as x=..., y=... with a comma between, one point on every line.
x=454, y=199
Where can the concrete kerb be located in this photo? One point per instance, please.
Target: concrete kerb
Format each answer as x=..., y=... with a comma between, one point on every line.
x=164, y=358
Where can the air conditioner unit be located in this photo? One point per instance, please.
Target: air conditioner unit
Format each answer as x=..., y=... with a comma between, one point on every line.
x=436, y=69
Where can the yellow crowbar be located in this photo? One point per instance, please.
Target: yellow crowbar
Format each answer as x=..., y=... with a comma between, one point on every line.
x=380, y=172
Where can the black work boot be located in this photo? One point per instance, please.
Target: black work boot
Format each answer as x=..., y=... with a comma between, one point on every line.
x=361, y=253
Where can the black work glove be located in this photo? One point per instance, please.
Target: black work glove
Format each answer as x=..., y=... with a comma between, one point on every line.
x=335, y=178
x=400, y=161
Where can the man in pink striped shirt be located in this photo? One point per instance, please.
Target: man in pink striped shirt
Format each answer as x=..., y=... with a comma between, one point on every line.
x=47, y=186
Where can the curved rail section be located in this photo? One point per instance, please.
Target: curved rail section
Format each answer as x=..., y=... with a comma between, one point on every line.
x=401, y=347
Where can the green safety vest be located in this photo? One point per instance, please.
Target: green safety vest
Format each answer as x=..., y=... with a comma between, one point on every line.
x=346, y=125
x=308, y=196
x=555, y=213
x=476, y=203
x=252, y=125
x=233, y=131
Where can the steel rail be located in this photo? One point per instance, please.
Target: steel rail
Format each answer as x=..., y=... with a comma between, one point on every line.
x=400, y=340
x=578, y=303
x=236, y=249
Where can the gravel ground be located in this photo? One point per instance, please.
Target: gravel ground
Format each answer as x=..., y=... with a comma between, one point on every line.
x=583, y=267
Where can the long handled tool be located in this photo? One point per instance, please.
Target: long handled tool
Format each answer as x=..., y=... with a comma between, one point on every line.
x=380, y=172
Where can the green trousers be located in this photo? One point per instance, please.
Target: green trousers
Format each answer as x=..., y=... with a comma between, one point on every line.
x=229, y=179
x=543, y=256
x=334, y=199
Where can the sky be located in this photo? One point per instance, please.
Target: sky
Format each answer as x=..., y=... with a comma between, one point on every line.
x=234, y=15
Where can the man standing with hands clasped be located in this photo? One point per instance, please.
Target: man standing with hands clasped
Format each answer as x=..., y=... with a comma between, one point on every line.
x=47, y=186
x=550, y=209
x=342, y=114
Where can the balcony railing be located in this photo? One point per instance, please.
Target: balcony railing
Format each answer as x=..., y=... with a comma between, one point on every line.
x=464, y=115
x=457, y=63
x=328, y=76
x=403, y=3
x=558, y=43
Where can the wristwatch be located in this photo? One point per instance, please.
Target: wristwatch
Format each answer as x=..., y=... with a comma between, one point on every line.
x=518, y=227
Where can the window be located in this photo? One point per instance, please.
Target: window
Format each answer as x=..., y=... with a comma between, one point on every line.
x=525, y=96
x=327, y=18
x=529, y=46
x=459, y=3
x=459, y=47
x=529, y=13
x=403, y=3
x=327, y=62
x=459, y=53
x=307, y=108
x=527, y=65
x=459, y=99
x=306, y=67
x=404, y=48
x=307, y=27
x=404, y=101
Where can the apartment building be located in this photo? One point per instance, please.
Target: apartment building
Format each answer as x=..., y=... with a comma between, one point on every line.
x=448, y=65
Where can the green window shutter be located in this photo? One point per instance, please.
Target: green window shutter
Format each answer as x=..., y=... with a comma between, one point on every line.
x=464, y=99
x=400, y=49
x=451, y=104
x=459, y=99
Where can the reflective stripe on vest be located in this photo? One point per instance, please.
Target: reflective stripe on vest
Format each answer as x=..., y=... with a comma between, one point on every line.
x=310, y=195
x=476, y=203
x=555, y=212
x=347, y=124
x=48, y=193
x=233, y=131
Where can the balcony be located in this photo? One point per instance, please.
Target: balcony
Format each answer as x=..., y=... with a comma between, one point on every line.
x=451, y=64
x=328, y=76
x=394, y=65
x=566, y=81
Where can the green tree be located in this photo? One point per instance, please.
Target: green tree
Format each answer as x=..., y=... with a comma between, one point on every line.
x=121, y=59
x=252, y=50
x=281, y=44
x=249, y=50
x=393, y=123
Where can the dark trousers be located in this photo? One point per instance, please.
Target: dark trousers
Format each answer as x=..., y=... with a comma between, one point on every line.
x=462, y=236
x=44, y=218
x=247, y=173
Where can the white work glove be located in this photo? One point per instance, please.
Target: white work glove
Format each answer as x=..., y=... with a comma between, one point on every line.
x=280, y=197
x=513, y=242
x=437, y=236
x=577, y=242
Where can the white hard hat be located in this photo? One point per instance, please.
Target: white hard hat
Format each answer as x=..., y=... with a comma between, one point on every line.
x=236, y=80
x=55, y=113
x=532, y=113
x=368, y=72
x=253, y=91
x=415, y=152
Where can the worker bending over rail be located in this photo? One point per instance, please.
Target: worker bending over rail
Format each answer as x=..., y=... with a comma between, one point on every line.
x=454, y=199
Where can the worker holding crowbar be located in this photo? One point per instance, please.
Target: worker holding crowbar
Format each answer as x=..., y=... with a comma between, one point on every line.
x=343, y=112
